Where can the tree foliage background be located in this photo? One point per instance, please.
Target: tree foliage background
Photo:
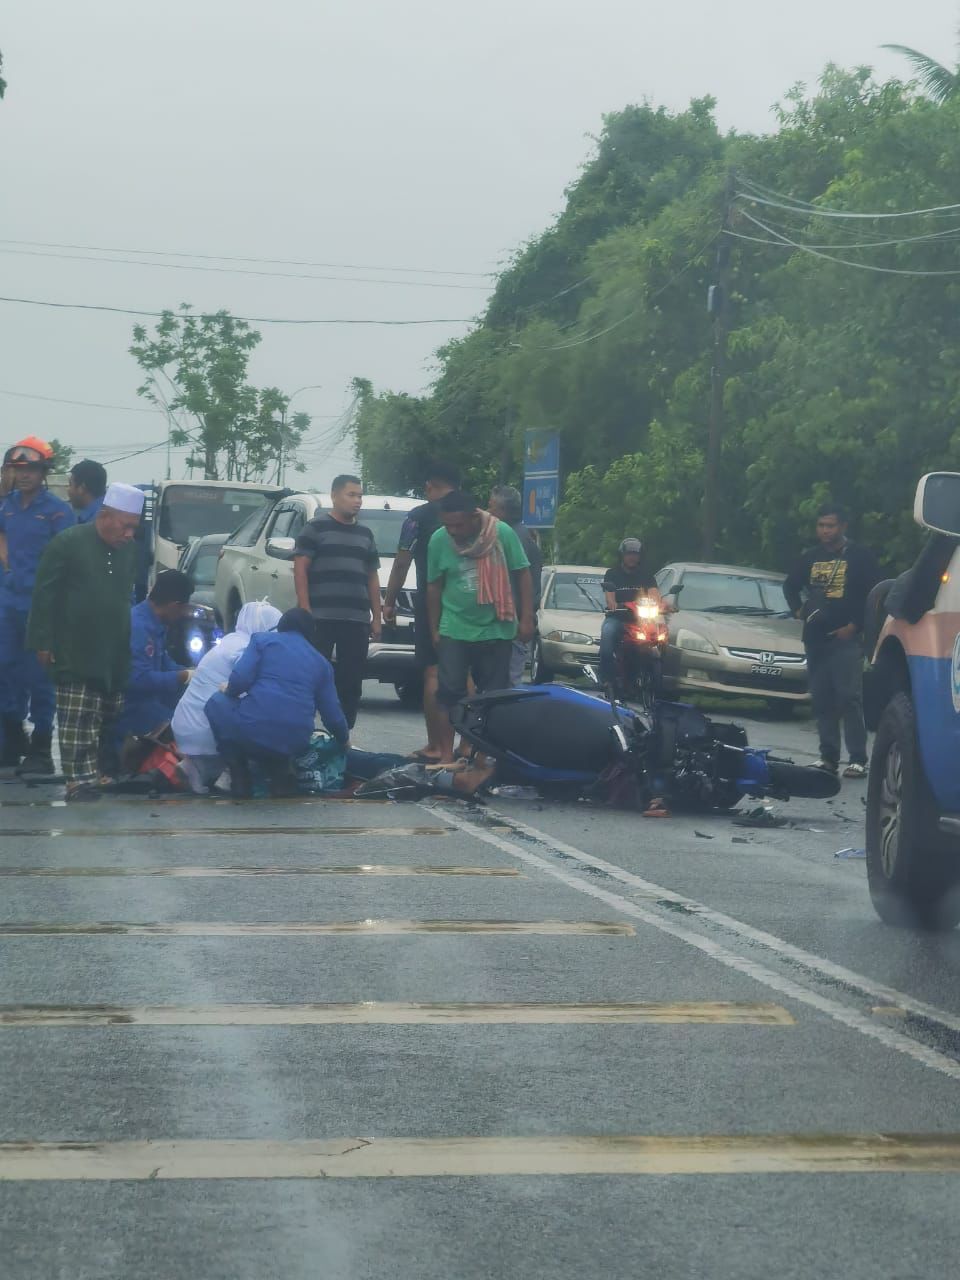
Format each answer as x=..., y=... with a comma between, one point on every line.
x=196, y=367
x=842, y=381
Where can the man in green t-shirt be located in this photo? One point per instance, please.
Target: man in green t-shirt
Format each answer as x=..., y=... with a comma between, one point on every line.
x=472, y=564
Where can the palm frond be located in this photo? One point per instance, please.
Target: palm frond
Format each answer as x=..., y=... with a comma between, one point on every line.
x=937, y=80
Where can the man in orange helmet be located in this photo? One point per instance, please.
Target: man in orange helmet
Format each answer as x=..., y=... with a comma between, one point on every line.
x=29, y=517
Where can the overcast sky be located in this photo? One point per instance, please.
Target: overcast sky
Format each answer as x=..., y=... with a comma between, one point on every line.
x=435, y=135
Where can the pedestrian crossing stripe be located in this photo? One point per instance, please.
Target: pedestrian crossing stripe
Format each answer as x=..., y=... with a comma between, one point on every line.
x=283, y=928
x=200, y=833
x=472, y=1157
x=381, y=1013
x=200, y=873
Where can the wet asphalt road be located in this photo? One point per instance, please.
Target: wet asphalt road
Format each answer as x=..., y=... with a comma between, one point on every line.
x=775, y=1006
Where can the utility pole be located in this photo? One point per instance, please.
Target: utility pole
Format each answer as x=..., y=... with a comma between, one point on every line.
x=718, y=305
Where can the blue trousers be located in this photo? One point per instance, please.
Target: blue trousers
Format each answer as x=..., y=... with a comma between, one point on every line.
x=22, y=679
x=141, y=715
x=611, y=634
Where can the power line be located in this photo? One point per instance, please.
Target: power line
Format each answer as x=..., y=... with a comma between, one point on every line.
x=948, y=236
x=844, y=262
x=87, y=404
x=241, y=271
x=213, y=315
x=224, y=257
x=592, y=337
x=821, y=211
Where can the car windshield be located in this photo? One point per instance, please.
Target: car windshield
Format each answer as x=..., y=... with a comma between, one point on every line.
x=577, y=593
x=385, y=526
x=732, y=593
x=192, y=511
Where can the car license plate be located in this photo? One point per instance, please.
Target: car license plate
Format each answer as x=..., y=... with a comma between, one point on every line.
x=766, y=671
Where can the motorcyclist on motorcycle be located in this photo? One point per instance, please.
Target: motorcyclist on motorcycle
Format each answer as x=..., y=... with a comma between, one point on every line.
x=627, y=579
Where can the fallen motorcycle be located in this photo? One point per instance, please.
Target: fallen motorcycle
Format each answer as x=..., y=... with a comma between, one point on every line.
x=567, y=743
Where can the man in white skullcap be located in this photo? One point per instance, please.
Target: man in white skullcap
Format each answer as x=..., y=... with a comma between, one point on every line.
x=79, y=628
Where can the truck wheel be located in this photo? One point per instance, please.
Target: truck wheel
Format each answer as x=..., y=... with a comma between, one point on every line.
x=233, y=612
x=539, y=673
x=410, y=693
x=913, y=871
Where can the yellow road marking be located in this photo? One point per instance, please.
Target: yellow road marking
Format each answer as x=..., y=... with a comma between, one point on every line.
x=193, y=833
x=479, y=1157
x=889, y=1011
x=281, y=928
x=374, y=1013
x=190, y=873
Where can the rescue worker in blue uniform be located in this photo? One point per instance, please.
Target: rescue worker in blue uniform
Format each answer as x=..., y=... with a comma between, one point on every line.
x=29, y=517
x=156, y=681
x=85, y=489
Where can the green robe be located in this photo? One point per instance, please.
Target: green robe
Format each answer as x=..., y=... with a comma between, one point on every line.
x=80, y=610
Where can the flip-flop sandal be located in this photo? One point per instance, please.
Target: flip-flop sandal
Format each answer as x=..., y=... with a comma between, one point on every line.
x=422, y=757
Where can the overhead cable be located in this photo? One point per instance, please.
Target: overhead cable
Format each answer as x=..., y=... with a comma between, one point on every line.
x=821, y=211
x=224, y=257
x=240, y=271
x=845, y=262
x=213, y=315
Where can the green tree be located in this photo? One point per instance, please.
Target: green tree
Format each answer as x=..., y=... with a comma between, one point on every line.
x=196, y=367
x=842, y=376
x=940, y=82
x=3, y=83
x=62, y=456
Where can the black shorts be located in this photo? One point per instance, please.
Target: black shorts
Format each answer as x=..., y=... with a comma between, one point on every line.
x=423, y=641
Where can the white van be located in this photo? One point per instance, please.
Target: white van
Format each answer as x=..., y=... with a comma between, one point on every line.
x=256, y=563
x=180, y=511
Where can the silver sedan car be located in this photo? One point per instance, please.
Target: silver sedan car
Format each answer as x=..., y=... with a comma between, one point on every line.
x=568, y=624
x=732, y=633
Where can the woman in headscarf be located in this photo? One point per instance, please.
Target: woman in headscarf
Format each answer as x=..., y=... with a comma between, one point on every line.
x=190, y=725
x=285, y=682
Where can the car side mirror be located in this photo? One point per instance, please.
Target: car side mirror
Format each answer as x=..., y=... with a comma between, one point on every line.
x=281, y=548
x=937, y=504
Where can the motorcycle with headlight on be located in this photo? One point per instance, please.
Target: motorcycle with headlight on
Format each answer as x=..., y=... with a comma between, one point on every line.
x=638, y=662
x=194, y=635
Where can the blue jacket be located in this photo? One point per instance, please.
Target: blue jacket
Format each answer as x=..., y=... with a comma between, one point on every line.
x=286, y=682
x=28, y=530
x=154, y=676
x=89, y=513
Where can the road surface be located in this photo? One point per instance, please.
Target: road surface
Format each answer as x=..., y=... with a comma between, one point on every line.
x=353, y=1041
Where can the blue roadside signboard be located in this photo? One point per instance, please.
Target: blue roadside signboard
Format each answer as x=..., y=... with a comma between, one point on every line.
x=540, y=494
x=541, y=478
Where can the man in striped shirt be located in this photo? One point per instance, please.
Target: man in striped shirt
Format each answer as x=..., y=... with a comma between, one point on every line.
x=335, y=571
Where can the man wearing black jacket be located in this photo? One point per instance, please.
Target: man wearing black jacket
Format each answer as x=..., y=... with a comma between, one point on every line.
x=828, y=588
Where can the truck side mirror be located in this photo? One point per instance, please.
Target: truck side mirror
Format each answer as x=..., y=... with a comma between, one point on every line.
x=281, y=548
x=937, y=504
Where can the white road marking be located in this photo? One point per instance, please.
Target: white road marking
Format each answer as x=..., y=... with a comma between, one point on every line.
x=284, y=928
x=851, y=1018
x=861, y=984
x=393, y=1013
x=472, y=1157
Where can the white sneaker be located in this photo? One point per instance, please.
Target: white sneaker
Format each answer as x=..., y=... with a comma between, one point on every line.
x=855, y=771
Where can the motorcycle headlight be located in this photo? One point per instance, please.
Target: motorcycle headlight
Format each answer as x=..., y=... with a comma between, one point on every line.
x=570, y=637
x=648, y=612
x=694, y=641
